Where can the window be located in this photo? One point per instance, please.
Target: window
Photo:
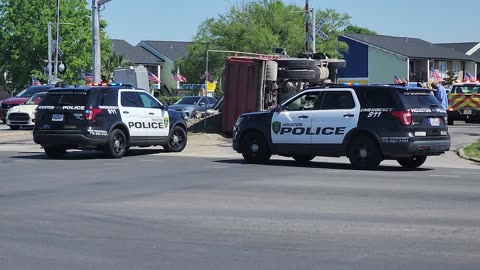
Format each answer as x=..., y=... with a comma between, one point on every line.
x=442, y=68
x=337, y=100
x=149, y=102
x=307, y=101
x=130, y=99
x=66, y=98
x=456, y=67
x=377, y=97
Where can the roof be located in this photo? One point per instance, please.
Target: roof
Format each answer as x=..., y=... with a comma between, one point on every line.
x=472, y=48
x=170, y=49
x=134, y=54
x=411, y=47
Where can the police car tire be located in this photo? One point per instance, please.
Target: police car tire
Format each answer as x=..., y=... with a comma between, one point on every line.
x=412, y=162
x=112, y=149
x=177, y=140
x=4, y=121
x=54, y=152
x=363, y=153
x=251, y=140
x=303, y=158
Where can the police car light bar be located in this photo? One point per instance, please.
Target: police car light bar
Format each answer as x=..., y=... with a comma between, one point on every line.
x=110, y=84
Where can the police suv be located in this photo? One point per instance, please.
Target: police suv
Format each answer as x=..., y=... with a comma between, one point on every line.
x=109, y=118
x=366, y=123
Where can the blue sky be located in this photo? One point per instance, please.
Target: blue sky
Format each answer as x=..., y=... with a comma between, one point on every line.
x=434, y=21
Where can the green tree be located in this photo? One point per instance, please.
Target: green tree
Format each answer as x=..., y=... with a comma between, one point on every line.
x=257, y=27
x=354, y=29
x=112, y=62
x=23, y=46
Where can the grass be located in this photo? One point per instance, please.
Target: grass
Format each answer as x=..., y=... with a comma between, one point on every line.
x=473, y=150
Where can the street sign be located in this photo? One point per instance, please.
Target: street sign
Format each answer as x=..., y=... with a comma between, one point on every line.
x=321, y=34
x=60, y=52
x=321, y=23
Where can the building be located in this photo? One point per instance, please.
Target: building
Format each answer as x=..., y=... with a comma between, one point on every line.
x=378, y=58
x=157, y=56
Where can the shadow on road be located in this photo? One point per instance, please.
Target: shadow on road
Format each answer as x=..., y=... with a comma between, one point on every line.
x=87, y=154
x=319, y=165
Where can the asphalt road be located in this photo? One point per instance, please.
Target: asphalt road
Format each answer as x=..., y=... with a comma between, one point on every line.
x=153, y=210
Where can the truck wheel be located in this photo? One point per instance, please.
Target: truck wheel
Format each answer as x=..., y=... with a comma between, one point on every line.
x=450, y=121
x=363, y=153
x=117, y=144
x=300, y=74
x=412, y=162
x=177, y=140
x=337, y=63
x=296, y=63
x=303, y=158
x=54, y=152
x=254, y=148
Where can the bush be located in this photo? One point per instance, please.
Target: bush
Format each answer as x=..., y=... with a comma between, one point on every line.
x=168, y=100
x=473, y=150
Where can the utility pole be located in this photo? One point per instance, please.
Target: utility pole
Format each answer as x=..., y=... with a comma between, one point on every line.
x=96, y=60
x=96, y=52
x=56, y=41
x=307, y=28
x=49, y=65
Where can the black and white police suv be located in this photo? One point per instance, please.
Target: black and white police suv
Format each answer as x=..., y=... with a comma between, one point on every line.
x=109, y=118
x=366, y=123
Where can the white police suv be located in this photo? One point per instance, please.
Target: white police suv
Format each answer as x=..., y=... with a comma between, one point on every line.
x=109, y=118
x=366, y=123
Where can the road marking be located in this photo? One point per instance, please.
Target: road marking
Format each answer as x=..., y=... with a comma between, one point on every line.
x=446, y=176
x=116, y=164
x=466, y=173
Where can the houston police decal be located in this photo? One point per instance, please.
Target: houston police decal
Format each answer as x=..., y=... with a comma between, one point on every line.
x=165, y=121
x=276, y=126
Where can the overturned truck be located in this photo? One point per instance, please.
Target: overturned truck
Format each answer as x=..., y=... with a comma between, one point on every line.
x=261, y=83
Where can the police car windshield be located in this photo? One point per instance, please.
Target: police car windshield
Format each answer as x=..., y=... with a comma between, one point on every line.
x=466, y=89
x=419, y=99
x=188, y=100
x=66, y=98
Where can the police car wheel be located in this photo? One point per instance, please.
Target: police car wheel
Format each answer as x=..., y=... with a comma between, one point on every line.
x=177, y=140
x=363, y=153
x=54, y=152
x=117, y=144
x=412, y=162
x=303, y=158
x=254, y=148
x=4, y=121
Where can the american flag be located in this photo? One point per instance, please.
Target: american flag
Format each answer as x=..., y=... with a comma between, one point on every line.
x=153, y=78
x=179, y=78
x=469, y=77
x=35, y=81
x=87, y=76
x=396, y=79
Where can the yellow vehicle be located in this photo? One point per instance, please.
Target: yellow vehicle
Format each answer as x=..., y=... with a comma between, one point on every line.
x=464, y=102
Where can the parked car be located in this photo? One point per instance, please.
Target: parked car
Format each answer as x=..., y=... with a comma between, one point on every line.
x=19, y=99
x=24, y=115
x=193, y=106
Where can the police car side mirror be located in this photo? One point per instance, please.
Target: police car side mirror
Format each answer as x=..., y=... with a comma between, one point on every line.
x=164, y=107
x=278, y=108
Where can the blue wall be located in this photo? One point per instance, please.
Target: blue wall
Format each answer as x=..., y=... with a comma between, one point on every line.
x=357, y=60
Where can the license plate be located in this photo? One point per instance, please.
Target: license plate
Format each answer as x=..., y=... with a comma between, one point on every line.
x=57, y=117
x=435, y=122
x=467, y=111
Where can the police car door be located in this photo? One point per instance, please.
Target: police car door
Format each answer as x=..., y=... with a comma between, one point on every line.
x=133, y=115
x=157, y=117
x=338, y=114
x=292, y=124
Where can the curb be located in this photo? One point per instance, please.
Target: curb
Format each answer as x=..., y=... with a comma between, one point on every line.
x=461, y=153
